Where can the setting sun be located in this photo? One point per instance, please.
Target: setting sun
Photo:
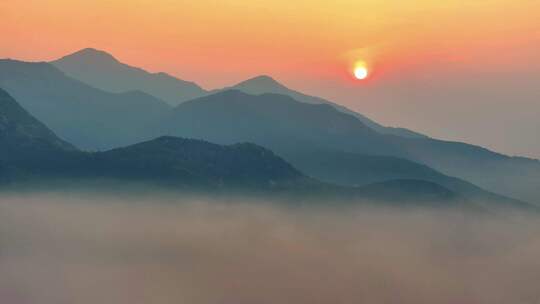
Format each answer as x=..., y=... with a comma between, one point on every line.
x=361, y=72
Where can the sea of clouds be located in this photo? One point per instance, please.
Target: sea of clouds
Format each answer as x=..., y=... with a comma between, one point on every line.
x=66, y=248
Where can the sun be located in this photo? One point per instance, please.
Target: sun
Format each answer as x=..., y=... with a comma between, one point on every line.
x=361, y=72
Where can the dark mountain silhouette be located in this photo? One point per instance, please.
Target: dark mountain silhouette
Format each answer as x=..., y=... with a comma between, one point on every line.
x=354, y=169
x=245, y=169
x=301, y=132
x=25, y=143
x=22, y=134
x=29, y=150
x=265, y=84
x=327, y=144
x=516, y=177
x=195, y=166
x=31, y=154
x=101, y=70
x=87, y=117
x=513, y=176
x=271, y=120
x=243, y=165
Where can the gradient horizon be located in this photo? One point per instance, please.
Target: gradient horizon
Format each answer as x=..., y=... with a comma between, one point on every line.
x=460, y=71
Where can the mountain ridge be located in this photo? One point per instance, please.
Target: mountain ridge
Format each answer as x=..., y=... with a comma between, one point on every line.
x=19, y=129
x=93, y=119
x=88, y=117
x=90, y=66
x=189, y=164
x=266, y=84
x=102, y=70
x=297, y=130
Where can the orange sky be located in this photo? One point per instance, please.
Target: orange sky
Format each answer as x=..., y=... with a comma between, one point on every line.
x=307, y=44
x=216, y=42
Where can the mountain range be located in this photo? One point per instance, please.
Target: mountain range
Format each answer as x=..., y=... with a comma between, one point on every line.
x=322, y=142
x=320, y=138
x=90, y=118
x=102, y=70
x=33, y=151
x=33, y=154
x=265, y=84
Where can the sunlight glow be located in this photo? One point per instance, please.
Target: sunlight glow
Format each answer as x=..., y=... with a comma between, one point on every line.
x=361, y=72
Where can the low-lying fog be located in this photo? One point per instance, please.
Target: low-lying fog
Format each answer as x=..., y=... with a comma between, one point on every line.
x=57, y=249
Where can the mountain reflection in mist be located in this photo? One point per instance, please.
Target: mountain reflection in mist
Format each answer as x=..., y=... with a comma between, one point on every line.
x=61, y=249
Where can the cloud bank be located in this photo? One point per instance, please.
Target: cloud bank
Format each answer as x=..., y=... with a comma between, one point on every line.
x=59, y=248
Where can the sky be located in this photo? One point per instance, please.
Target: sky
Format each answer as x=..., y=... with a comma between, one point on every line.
x=456, y=70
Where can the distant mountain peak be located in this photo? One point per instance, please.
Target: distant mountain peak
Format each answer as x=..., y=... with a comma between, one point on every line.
x=92, y=55
x=266, y=78
x=261, y=82
x=102, y=70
